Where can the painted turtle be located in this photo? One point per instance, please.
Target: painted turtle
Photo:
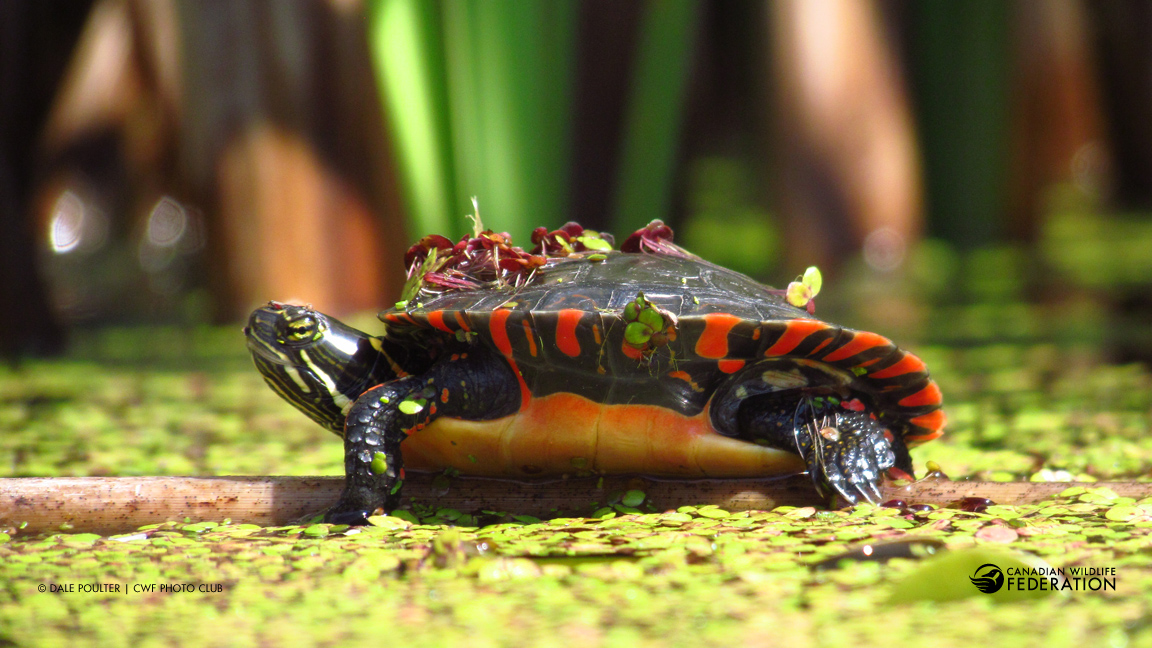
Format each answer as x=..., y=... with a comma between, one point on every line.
x=577, y=359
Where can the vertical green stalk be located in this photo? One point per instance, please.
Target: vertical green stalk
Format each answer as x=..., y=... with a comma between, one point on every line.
x=961, y=65
x=406, y=45
x=510, y=78
x=655, y=111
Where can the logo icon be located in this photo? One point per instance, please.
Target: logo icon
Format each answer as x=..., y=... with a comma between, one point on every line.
x=988, y=578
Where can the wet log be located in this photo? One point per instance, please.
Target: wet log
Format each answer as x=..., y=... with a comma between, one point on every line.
x=122, y=504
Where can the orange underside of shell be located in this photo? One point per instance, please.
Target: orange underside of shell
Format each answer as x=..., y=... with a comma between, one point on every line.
x=566, y=434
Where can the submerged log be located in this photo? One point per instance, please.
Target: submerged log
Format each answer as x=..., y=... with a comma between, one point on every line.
x=122, y=504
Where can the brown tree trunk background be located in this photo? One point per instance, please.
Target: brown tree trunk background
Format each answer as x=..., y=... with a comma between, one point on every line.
x=264, y=119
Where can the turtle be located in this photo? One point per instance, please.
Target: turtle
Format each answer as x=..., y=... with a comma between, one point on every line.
x=580, y=359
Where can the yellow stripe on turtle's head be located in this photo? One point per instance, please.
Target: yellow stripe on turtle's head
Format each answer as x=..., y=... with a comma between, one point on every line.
x=313, y=361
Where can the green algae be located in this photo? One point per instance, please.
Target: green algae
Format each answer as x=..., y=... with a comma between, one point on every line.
x=676, y=574
x=1028, y=409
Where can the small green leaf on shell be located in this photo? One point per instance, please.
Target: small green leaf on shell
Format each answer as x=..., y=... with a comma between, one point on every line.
x=630, y=311
x=594, y=242
x=799, y=293
x=412, y=405
x=637, y=333
x=653, y=319
x=813, y=280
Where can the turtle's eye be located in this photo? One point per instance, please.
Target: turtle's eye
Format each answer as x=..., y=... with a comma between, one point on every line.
x=301, y=329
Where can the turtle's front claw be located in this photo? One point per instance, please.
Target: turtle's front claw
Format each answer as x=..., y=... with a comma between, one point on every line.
x=351, y=518
x=355, y=511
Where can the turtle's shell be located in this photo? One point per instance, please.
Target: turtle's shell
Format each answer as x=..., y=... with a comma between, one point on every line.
x=563, y=332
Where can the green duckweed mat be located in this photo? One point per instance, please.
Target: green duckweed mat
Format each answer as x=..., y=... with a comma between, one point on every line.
x=172, y=402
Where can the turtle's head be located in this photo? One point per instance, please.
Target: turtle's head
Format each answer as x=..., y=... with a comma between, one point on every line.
x=315, y=362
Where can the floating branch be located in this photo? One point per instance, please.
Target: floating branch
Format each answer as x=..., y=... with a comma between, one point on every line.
x=122, y=504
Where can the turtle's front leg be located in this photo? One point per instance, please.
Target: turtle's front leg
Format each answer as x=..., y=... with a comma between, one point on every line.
x=373, y=463
x=472, y=385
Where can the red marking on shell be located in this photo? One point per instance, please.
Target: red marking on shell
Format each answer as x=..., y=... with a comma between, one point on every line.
x=908, y=364
x=566, y=321
x=596, y=336
x=888, y=435
x=855, y=405
x=436, y=319
x=402, y=473
x=713, y=342
x=680, y=374
x=934, y=421
x=432, y=410
x=730, y=366
x=796, y=331
x=756, y=334
x=930, y=395
x=391, y=318
x=463, y=324
x=632, y=352
x=444, y=395
x=820, y=346
x=528, y=333
x=917, y=439
x=861, y=341
x=496, y=326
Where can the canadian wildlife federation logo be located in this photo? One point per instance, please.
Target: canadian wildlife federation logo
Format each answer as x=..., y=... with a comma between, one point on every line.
x=988, y=578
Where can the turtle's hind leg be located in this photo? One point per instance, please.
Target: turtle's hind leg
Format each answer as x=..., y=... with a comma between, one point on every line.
x=472, y=385
x=846, y=448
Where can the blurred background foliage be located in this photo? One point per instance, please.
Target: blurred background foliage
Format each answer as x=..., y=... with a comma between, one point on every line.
x=178, y=162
